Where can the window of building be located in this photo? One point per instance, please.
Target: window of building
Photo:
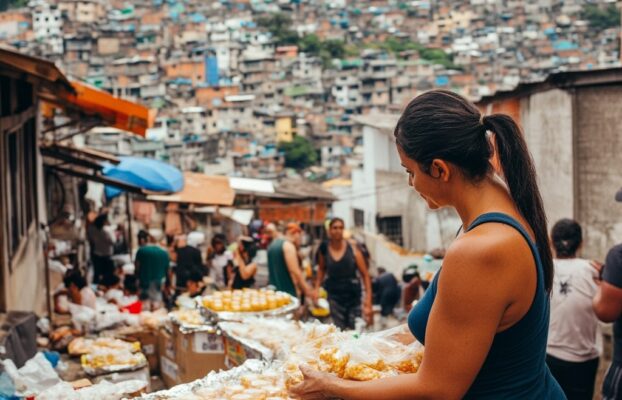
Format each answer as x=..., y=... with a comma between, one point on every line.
x=359, y=218
x=391, y=227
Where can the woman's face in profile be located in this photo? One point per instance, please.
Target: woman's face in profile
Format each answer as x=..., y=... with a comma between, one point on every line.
x=422, y=182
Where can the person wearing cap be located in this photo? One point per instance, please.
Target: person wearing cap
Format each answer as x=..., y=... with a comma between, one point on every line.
x=607, y=305
x=284, y=269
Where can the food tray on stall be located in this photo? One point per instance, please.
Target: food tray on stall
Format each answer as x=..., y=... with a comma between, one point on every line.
x=100, y=363
x=239, y=349
x=283, y=311
x=192, y=320
x=213, y=379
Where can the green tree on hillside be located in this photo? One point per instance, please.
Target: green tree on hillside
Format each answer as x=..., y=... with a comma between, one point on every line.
x=6, y=4
x=601, y=18
x=279, y=25
x=299, y=153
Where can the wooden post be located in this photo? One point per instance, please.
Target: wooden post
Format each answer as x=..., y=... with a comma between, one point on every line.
x=48, y=288
x=128, y=211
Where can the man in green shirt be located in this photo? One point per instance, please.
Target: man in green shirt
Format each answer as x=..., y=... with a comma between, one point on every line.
x=283, y=265
x=152, y=266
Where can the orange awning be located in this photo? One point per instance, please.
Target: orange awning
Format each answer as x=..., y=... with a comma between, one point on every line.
x=109, y=110
x=201, y=189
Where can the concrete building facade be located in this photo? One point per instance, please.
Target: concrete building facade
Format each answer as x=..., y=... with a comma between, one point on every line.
x=571, y=122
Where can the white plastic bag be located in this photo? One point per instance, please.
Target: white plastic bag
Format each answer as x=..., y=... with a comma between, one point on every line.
x=83, y=318
x=61, y=390
x=34, y=377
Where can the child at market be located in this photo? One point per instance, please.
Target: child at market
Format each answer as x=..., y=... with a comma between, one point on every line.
x=130, y=301
x=111, y=288
x=194, y=284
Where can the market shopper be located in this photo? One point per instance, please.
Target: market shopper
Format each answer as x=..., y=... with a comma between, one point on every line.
x=102, y=248
x=218, y=259
x=241, y=274
x=284, y=269
x=572, y=351
x=608, y=308
x=412, y=286
x=484, y=334
x=188, y=260
x=194, y=284
x=339, y=266
x=387, y=292
x=152, y=268
x=78, y=290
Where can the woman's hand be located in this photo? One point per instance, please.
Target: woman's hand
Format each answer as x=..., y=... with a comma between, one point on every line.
x=315, y=385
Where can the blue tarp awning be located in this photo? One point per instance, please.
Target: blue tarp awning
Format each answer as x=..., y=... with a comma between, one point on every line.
x=146, y=173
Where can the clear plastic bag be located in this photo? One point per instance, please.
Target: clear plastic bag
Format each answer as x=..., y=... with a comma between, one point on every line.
x=357, y=357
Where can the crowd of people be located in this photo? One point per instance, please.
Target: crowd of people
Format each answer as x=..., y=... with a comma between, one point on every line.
x=162, y=269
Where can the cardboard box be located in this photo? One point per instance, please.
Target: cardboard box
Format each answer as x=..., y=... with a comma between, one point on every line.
x=81, y=383
x=236, y=352
x=197, y=354
x=169, y=371
x=166, y=344
x=148, y=339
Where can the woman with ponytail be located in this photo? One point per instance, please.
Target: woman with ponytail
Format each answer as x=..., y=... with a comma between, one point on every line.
x=485, y=334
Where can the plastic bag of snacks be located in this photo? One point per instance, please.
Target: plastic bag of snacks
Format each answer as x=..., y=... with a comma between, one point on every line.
x=365, y=357
x=259, y=334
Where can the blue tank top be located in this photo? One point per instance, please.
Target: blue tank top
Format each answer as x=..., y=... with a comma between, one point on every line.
x=515, y=366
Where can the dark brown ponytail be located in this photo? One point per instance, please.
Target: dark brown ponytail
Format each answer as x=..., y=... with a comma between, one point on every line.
x=520, y=175
x=442, y=124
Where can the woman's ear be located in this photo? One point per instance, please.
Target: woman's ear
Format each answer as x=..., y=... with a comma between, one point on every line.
x=440, y=170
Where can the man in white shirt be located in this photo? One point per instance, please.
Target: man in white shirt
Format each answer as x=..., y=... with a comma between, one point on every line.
x=218, y=259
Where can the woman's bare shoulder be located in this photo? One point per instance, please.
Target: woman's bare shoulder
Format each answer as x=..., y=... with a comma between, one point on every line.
x=490, y=249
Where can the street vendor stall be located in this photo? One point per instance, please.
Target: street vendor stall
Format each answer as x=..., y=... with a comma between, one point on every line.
x=347, y=355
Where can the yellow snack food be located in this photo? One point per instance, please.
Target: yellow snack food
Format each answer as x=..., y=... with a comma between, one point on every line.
x=247, y=300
